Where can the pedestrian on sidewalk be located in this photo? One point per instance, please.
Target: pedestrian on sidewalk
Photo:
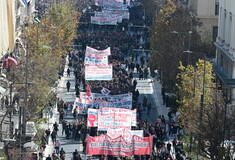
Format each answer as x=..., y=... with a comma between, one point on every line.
x=55, y=157
x=57, y=146
x=63, y=126
x=48, y=133
x=77, y=86
x=168, y=146
x=137, y=93
x=61, y=117
x=49, y=157
x=137, y=67
x=56, y=127
x=149, y=107
x=53, y=136
x=164, y=99
x=75, y=113
x=65, y=108
x=68, y=72
x=146, y=73
x=68, y=84
x=62, y=153
x=145, y=103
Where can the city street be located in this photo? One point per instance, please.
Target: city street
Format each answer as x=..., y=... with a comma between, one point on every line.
x=150, y=88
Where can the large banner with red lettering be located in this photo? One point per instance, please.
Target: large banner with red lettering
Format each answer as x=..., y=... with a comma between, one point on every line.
x=104, y=73
x=104, y=145
x=125, y=133
x=114, y=120
x=106, y=118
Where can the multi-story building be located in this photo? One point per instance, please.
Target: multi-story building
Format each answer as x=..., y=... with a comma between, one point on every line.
x=7, y=26
x=14, y=14
x=225, y=44
x=207, y=12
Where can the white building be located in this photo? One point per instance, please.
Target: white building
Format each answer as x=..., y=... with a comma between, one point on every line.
x=225, y=44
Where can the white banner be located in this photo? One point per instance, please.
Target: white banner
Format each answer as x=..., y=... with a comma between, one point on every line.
x=90, y=50
x=112, y=14
x=104, y=73
x=125, y=133
x=124, y=104
x=104, y=20
x=108, y=119
x=111, y=98
x=112, y=3
x=96, y=57
x=94, y=121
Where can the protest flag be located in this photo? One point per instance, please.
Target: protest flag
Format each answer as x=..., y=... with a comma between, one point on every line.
x=88, y=91
x=105, y=91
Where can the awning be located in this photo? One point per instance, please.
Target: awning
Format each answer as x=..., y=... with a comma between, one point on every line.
x=2, y=90
x=9, y=62
x=31, y=145
x=30, y=129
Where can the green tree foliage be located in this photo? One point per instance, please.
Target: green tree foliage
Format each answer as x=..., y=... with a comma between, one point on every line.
x=45, y=44
x=167, y=47
x=204, y=118
x=190, y=82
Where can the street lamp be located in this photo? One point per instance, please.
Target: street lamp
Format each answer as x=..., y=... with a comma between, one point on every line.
x=189, y=39
x=143, y=9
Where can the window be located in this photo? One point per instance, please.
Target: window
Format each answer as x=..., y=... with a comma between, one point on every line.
x=221, y=60
x=215, y=33
x=216, y=8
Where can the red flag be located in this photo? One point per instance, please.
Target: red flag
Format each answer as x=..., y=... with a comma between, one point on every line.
x=88, y=90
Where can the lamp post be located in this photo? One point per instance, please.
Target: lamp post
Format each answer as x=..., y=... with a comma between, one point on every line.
x=143, y=9
x=189, y=34
x=189, y=40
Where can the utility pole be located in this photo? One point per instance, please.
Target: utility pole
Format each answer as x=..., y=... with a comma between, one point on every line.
x=26, y=94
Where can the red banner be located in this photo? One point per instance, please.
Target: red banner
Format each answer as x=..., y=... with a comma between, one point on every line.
x=104, y=145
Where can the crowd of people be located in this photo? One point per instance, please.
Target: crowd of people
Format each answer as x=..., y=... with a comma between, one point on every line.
x=166, y=143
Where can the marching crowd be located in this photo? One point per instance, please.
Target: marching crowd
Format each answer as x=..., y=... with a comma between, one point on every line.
x=166, y=144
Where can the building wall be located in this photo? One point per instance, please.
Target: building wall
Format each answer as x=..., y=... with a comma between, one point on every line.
x=7, y=26
x=225, y=53
x=205, y=12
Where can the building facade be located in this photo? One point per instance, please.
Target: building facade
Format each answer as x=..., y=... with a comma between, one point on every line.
x=207, y=12
x=225, y=48
x=14, y=14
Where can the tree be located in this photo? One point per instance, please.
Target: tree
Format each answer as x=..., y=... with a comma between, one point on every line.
x=47, y=42
x=167, y=48
x=202, y=108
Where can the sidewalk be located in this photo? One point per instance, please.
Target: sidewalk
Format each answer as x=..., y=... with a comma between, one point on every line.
x=151, y=88
x=68, y=145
